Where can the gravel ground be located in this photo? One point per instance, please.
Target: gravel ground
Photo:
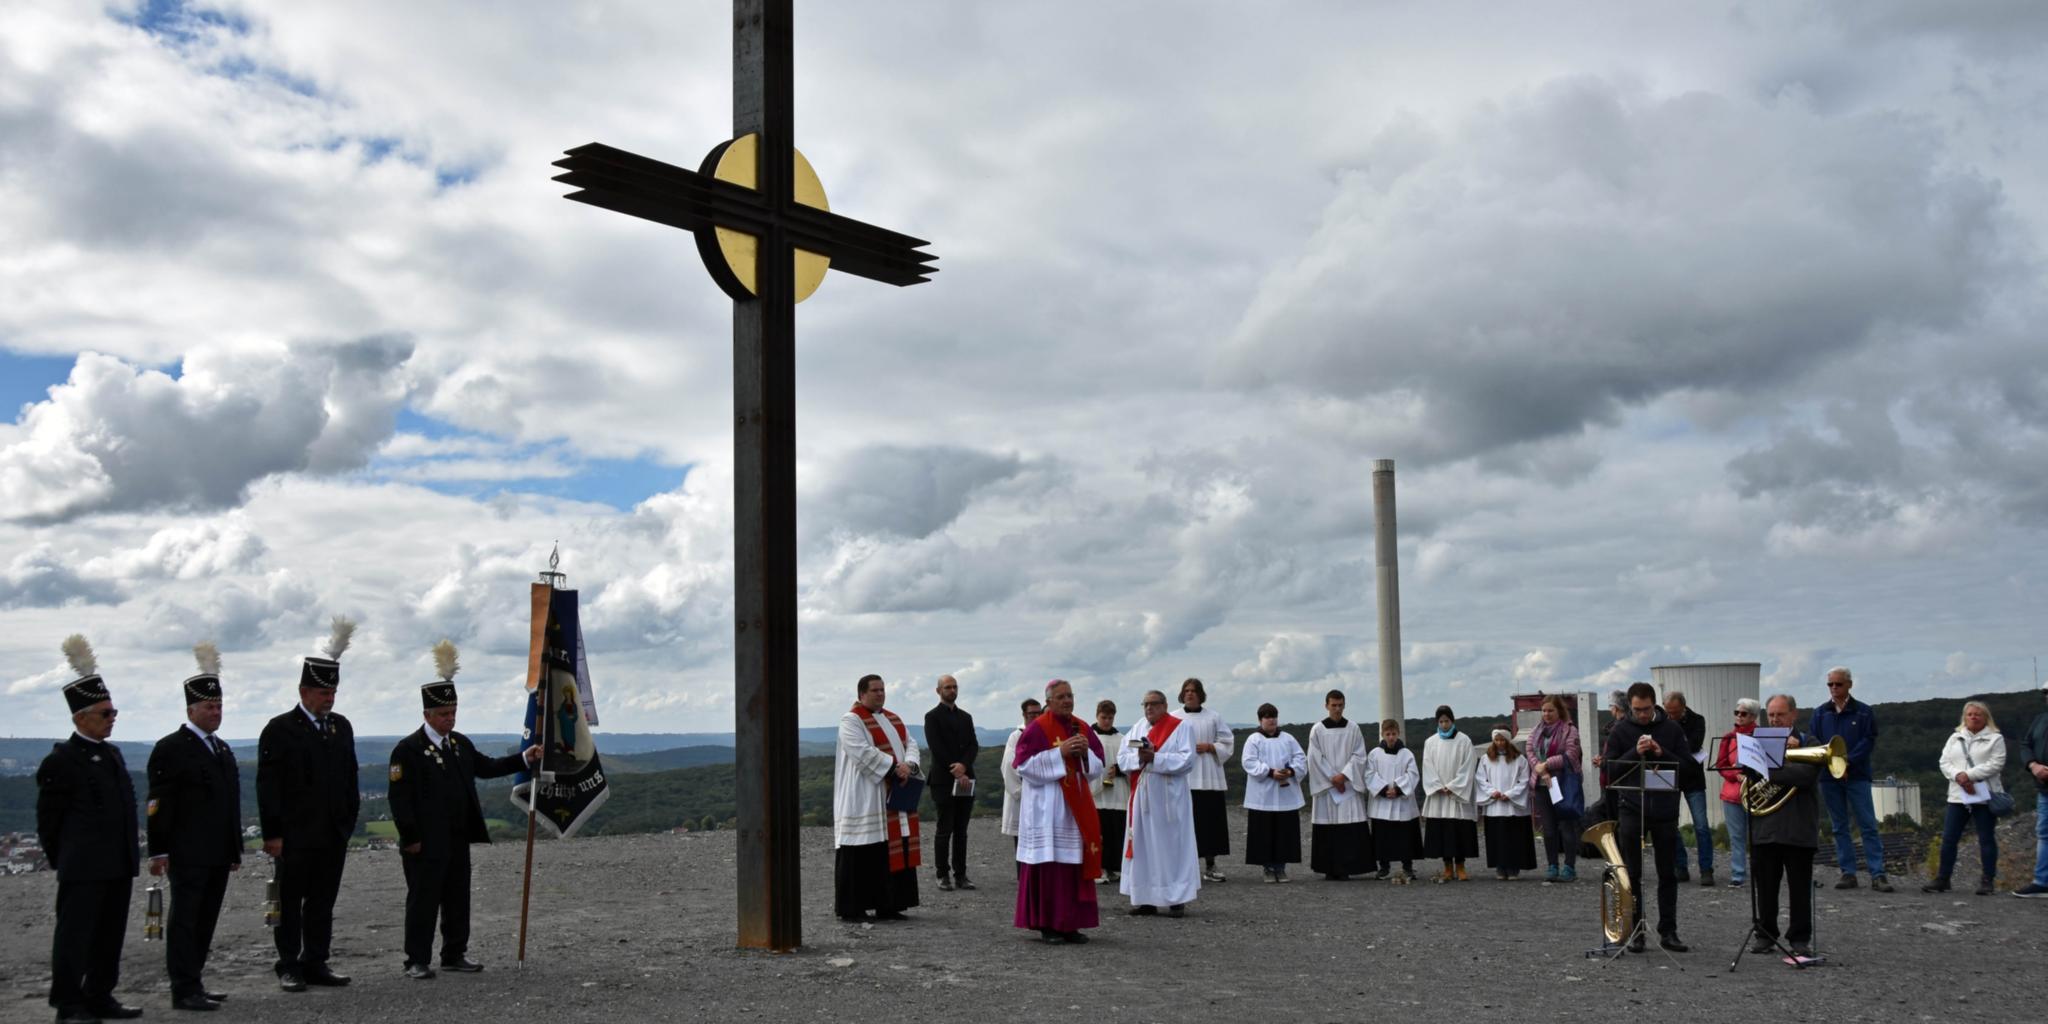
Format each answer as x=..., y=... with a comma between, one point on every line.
x=641, y=927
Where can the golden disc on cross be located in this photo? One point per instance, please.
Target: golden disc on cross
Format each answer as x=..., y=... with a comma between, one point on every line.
x=740, y=164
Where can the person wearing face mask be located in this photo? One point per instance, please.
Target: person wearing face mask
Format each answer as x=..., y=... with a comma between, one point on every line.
x=1391, y=778
x=1273, y=765
x=1450, y=831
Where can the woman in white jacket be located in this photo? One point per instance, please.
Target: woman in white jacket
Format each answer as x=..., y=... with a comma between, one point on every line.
x=1974, y=761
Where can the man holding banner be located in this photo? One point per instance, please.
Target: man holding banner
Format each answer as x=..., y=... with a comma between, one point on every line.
x=1059, y=836
x=875, y=848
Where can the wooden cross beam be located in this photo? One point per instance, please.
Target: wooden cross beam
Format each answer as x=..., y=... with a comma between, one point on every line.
x=760, y=223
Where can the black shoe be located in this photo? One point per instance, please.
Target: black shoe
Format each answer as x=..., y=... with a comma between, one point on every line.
x=1144, y=910
x=853, y=918
x=1671, y=943
x=1763, y=945
x=1074, y=938
x=318, y=974
x=462, y=965
x=945, y=884
x=1683, y=876
x=1177, y=910
x=1638, y=944
x=114, y=1011
x=1878, y=884
x=1938, y=885
x=215, y=996
x=76, y=1016
x=1984, y=888
x=891, y=915
x=1339, y=877
x=1051, y=938
x=962, y=883
x=1803, y=952
x=195, y=1001
x=1849, y=882
x=419, y=972
x=1707, y=879
x=291, y=982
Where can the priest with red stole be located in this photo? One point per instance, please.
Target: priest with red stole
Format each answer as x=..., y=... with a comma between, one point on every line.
x=1059, y=837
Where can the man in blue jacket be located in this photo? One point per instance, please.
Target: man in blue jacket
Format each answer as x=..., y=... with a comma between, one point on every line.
x=2034, y=757
x=1852, y=720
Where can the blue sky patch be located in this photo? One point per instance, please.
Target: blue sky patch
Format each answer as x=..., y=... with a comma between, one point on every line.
x=557, y=470
x=25, y=379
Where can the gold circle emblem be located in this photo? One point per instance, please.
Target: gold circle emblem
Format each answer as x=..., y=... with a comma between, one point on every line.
x=740, y=164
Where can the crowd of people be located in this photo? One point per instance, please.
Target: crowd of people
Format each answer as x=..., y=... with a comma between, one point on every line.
x=1087, y=804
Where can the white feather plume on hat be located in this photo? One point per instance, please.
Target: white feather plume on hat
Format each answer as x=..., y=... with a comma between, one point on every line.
x=78, y=651
x=344, y=630
x=444, y=660
x=208, y=656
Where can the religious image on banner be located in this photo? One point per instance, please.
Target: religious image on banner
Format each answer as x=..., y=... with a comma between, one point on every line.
x=560, y=709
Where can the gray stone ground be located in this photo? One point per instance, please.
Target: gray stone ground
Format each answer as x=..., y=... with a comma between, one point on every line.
x=641, y=927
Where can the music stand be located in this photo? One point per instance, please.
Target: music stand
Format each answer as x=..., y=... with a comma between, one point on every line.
x=1755, y=912
x=1617, y=771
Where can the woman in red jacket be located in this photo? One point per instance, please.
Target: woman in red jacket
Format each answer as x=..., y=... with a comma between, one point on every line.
x=1731, y=793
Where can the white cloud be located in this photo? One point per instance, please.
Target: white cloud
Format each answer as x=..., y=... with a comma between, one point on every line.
x=38, y=578
x=185, y=552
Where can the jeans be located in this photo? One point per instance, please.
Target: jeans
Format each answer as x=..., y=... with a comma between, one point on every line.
x=2041, y=840
x=1738, y=839
x=1952, y=834
x=1703, y=833
x=1841, y=798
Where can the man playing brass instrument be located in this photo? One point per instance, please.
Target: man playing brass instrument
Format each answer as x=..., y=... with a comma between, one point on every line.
x=1783, y=840
x=1648, y=739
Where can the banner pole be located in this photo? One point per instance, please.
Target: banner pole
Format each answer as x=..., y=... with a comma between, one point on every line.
x=539, y=694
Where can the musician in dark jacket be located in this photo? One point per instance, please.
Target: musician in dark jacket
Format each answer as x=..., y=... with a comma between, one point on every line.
x=194, y=816
x=85, y=819
x=1692, y=784
x=434, y=805
x=949, y=731
x=1783, y=842
x=1648, y=739
x=306, y=792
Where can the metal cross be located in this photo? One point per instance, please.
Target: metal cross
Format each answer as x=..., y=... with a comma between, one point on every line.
x=758, y=227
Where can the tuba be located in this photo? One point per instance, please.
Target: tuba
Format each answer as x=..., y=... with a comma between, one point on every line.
x=1617, y=892
x=1761, y=797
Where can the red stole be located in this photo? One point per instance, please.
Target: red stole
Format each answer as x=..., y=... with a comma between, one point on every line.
x=1080, y=803
x=904, y=852
x=1155, y=736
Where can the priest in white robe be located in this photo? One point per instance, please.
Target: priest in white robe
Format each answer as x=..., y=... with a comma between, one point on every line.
x=1500, y=785
x=1059, y=837
x=1161, y=867
x=1340, y=840
x=1450, y=826
x=1013, y=784
x=1391, y=778
x=1273, y=766
x=1208, y=784
x=1112, y=791
x=875, y=851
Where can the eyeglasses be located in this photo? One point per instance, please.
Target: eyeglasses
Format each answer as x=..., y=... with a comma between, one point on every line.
x=108, y=713
x=1832, y=685
x=1745, y=714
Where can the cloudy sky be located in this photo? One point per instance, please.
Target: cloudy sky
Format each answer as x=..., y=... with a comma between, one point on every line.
x=1698, y=332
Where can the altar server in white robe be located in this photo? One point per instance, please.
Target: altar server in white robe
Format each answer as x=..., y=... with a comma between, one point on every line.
x=1273, y=766
x=1213, y=741
x=875, y=850
x=1501, y=787
x=1340, y=840
x=1450, y=826
x=1112, y=792
x=1391, y=778
x=1013, y=783
x=1161, y=867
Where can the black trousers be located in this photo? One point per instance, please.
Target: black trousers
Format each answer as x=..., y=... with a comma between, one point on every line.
x=308, y=880
x=1112, y=839
x=85, y=953
x=949, y=847
x=1794, y=864
x=437, y=888
x=1664, y=837
x=196, y=896
x=1212, y=823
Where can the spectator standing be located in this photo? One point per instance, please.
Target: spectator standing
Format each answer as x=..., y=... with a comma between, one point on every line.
x=1554, y=753
x=2034, y=754
x=1732, y=808
x=1974, y=761
x=1852, y=720
x=1692, y=784
x=949, y=731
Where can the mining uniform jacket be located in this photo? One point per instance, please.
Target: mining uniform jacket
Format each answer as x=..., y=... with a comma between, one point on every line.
x=195, y=803
x=306, y=788
x=433, y=792
x=85, y=812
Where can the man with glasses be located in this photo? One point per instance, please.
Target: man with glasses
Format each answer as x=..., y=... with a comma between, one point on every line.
x=1852, y=720
x=85, y=817
x=1648, y=740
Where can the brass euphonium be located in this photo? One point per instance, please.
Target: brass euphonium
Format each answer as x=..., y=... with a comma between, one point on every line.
x=1617, y=892
x=1761, y=797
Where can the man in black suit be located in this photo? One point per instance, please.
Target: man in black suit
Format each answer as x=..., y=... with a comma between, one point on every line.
x=307, y=795
x=195, y=830
x=949, y=731
x=434, y=804
x=85, y=817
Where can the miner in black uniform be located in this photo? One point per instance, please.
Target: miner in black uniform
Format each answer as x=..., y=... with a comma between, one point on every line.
x=307, y=795
x=195, y=830
x=434, y=804
x=85, y=817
